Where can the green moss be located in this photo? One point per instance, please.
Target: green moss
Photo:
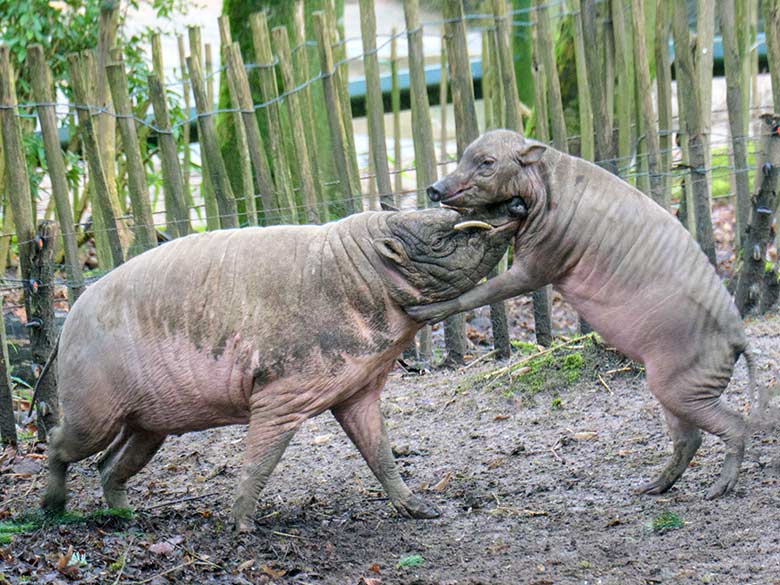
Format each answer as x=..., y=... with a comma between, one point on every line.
x=666, y=521
x=524, y=347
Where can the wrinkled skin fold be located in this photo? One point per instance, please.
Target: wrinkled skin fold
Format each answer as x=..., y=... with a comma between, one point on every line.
x=628, y=267
x=265, y=326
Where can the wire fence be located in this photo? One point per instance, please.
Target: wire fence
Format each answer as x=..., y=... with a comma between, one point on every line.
x=631, y=167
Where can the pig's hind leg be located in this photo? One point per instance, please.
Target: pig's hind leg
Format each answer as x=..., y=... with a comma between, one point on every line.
x=68, y=443
x=694, y=400
x=361, y=419
x=126, y=456
x=686, y=439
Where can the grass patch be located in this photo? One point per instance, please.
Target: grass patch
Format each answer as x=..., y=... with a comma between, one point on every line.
x=411, y=561
x=31, y=522
x=666, y=521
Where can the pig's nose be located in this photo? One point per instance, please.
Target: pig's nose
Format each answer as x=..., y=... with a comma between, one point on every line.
x=435, y=192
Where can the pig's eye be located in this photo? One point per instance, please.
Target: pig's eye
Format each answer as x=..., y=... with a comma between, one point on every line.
x=437, y=244
x=486, y=164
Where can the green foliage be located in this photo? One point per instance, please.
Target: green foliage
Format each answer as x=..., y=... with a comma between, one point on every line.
x=26, y=523
x=411, y=561
x=666, y=521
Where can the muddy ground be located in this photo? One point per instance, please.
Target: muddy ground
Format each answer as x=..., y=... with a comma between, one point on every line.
x=532, y=489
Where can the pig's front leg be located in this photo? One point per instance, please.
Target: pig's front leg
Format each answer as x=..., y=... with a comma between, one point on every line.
x=506, y=285
x=266, y=443
x=362, y=420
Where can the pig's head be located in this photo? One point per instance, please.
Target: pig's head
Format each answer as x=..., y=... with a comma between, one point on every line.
x=499, y=166
x=437, y=254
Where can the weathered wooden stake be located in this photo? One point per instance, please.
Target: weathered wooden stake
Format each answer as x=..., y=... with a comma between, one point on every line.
x=583, y=89
x=295, y=113
x=663, y=77
x=243, y=95
x=145, y=234
x=689, y=89
x=286, y=211
x=42, y=92
x=757, y=237
x=512, y=110
x=81, y=68
x=624, y=96
x=247, y=194
x=772, y=32
x=704, y=44
x=395, y=98
x=467, y=130
x=185, y=131
x=735, y=105
x=173, y=186
x=7, y=419
x=547, y=52
x=443, y=91
x=374, y=106
x=422, y=129
x=330, y=83
x=43, y=333
x=342, y=84
x=600, y=82
x=207, y=135
x=206, y=188
x=642, y=71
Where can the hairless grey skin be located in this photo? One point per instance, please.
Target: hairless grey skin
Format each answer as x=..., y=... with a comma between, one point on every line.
x=266, y=326
x=628, y=267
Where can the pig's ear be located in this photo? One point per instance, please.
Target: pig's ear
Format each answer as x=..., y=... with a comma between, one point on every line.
x=391, y=249
x=387, y=207
x=531, y=154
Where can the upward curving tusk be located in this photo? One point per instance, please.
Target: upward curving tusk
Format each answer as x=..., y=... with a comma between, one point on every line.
x=464, y=225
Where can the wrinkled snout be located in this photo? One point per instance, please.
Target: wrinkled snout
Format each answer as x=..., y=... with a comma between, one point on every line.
x=436, y=191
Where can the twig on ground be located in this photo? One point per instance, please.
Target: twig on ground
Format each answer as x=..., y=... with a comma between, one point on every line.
x=6, y=503
x=603, y=383
x=166, y=572
x=618, y=370
x=286, y=535
x=124, y=561
x=481, y=358
x=512, y=367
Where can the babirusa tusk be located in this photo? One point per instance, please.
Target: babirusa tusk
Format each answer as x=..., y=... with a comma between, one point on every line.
x=464, y=225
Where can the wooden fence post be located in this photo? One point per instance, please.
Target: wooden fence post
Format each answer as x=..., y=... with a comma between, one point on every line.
x=145, y=234
x=750, y=279
x=443, y=91
x=257, y=154
x=82, y=75
x=422, y=130
x=467, y=130
x=7, y=419
x=330, y=85
x=295, y=113
x=41, y=82
x=505, y=61
x=772, y=31
x=583, y=89
x=247, y=195
x=43, y=333
x=173, y=186
x=374, y=105
x=663, y=77
x=553, y=90
x=206, y=188
x=644, y=87
x=185, y=130
x=207, y=136
x=342, y=84
x=735, y=105
x=395, y=99
x=285, y=209
x=689, y=89
x=600, y=82
x=17, y=183
x=624, y=95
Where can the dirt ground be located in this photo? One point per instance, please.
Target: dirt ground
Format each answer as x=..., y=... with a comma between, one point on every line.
x=531, y=490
